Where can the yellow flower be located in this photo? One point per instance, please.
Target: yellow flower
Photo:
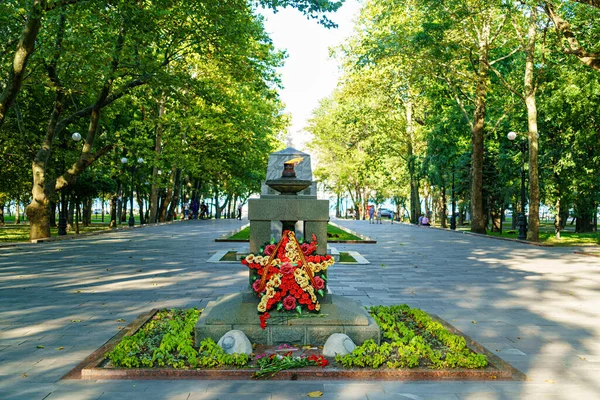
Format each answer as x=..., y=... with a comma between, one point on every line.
x=263, y=307
x=270, y=293
x=269, y=285
x=250, y=258
x=317, y=306
x=276, y=280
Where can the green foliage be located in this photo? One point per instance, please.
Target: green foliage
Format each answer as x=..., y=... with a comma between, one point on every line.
x=167, y=341
x=412, y=339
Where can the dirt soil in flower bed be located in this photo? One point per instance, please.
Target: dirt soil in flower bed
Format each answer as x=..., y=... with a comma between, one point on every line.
x=96, y=366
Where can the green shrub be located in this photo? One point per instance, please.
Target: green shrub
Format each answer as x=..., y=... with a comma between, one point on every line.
x=412, y=339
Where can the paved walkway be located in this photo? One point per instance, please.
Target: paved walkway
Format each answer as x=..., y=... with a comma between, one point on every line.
x=538, y=308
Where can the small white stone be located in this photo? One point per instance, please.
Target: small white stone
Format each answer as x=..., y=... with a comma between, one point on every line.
x=235, y=341
x=338, y=344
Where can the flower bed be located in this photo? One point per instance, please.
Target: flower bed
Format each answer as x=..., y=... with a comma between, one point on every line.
x=412, y=340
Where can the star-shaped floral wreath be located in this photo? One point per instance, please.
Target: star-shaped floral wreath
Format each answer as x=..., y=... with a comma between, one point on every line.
x=288, y=276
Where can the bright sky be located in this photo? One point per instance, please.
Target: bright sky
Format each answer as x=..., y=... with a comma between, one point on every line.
x=309, y=74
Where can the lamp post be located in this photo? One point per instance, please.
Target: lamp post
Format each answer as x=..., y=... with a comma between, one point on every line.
x=522, y=218
x=453, y=218
x=133, y=168
x=62, y=212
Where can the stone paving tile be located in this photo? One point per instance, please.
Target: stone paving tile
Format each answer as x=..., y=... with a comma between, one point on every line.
x=547, y=297
x=410, y=396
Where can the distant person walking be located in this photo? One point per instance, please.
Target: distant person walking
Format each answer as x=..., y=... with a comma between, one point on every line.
x=379, y=215
x=195, y=209
x=186, y=210
x=239, y=211
x=371, y=214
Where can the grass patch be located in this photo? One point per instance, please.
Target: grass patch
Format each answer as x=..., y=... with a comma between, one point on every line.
x=244, y=234
x=20, y=233
x=568, y=237
x=346, y=258
x=229, y=256
x=333, y=233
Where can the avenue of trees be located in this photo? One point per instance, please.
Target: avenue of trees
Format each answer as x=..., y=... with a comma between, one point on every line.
x=430, y=90
x=188, y=86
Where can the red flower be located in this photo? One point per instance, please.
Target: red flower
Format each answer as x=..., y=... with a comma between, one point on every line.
x=289, y=303
x=318, y=360
x=287, y=269
x=256, y=286
x=311, y=306
x=263, y=320
x=319, y=283
x=269, y=249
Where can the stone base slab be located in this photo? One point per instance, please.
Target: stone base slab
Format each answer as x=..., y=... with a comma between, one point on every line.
x=234, y=311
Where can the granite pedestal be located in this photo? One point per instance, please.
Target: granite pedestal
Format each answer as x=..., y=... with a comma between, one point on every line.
x=237, y=311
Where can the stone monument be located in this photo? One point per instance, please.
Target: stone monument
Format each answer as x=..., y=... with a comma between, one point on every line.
x=288, y=202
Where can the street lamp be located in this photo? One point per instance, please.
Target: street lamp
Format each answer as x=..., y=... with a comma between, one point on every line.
x=522, y=218
x=62, y=212
x=140, y=161
x=453, y=218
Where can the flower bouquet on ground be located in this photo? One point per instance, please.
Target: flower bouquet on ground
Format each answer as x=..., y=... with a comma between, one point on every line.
x=288, y=276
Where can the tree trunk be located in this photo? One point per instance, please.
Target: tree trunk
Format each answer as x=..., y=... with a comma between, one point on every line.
x=176, y=191
x=52, y=216
x=2, y=213
x=113, y=211
x=157, y=150
x=17, y=212
x=495, y=216
x=477, y=209
x=119, y=204
x=444, y=209
x=124, y=204
x=87, y=212
x=17, y=72
x=38, y=210
x=77, y=215
x=140, y=201
x=530, y=91
x=583, y=223
x=70, y=213
x=103, y=208
x=557, y=221
x=168, y=198
x=415, y=202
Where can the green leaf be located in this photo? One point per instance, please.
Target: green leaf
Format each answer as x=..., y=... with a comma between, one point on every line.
x=321, y=293
x=299, y=309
